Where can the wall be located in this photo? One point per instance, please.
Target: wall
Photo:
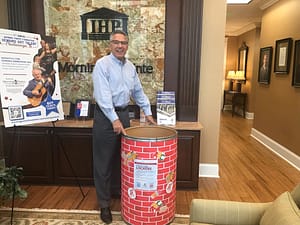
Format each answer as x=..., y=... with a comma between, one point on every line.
x=146, y=29
x=231, y=58
x=277, y=105
x=3, y=14
x=251, y=38
x=211, y=78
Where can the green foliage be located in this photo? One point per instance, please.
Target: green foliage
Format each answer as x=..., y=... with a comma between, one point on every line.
x=9, y=184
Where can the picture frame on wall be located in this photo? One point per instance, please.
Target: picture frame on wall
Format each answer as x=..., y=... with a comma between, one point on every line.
x=265, y=65
x=283, y=56
x=296, y=69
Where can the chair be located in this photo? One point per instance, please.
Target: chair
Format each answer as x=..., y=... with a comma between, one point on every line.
x=284, y=210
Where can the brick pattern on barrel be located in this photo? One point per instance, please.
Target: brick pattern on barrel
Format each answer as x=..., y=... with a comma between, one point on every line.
x=149, y=207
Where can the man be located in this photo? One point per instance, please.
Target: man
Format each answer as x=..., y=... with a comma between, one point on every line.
x=38, y=87
x=115, y=82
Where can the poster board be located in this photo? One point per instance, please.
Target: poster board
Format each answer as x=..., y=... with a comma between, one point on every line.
x=17, y=55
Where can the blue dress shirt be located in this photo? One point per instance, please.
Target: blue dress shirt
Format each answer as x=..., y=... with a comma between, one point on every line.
x=115, y=82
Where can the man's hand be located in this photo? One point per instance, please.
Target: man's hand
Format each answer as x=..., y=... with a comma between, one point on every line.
x=35, y=92
x=150, y=120
x=118, y=127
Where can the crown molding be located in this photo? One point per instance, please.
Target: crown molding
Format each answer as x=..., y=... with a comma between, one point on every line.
x=267, y=4
x=244, y=29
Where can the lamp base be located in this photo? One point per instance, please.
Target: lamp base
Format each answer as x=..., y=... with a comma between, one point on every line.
x=230, y=85
x=238, y=87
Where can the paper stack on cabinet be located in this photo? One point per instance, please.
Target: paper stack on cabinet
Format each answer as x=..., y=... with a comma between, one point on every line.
x=166, y=108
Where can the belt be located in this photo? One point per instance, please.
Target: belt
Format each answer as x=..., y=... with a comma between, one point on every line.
x=121, y=109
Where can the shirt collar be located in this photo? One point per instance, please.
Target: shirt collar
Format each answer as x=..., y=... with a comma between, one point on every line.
x=117, y=60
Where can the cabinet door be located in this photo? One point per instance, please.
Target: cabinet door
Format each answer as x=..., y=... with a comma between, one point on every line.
x=73, y=156
x=30, y=148
x=188, y=150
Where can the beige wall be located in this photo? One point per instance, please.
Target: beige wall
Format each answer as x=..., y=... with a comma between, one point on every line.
x=231, y=58
x=251, y=38
x=277, y=105
x=211, y=77
x=3, y=14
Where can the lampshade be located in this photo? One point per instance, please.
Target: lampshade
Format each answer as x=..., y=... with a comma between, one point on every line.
x=240, y=75
x=231, y=74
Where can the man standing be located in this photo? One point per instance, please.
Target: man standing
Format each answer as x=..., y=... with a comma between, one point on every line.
x=115, y=82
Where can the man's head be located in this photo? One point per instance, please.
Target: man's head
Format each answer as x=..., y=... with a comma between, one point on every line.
x=119, y=44
x=37, y=73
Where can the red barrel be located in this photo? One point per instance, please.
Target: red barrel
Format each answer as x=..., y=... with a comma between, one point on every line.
x=148, y=175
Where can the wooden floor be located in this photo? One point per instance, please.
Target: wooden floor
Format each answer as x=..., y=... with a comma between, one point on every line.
x=248, y=172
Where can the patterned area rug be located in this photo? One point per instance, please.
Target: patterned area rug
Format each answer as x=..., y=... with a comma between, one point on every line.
x=65, y=217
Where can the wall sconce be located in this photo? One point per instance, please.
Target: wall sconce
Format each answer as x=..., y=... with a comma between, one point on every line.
x=237, y=77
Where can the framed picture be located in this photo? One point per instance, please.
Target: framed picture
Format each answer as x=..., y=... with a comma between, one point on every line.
x=296, y=70
x=265, y=65
x=82, y=109
x=283, y=55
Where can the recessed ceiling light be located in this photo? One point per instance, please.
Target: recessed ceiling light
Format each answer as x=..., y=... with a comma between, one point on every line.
x=238, y=1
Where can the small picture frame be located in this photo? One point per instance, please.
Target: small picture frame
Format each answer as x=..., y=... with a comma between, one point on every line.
x=283, y=56
x=265, y=65
x=82, y=109
x=296, y=69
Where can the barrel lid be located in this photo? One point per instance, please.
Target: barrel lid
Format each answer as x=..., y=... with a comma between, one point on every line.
x=149, y=133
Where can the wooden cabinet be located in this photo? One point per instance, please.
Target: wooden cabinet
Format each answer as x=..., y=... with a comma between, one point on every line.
x=63, y=155
x=188, y=159
x=73, y=156
x=30, y=148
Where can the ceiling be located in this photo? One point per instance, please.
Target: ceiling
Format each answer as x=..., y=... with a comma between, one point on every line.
x=242, y=18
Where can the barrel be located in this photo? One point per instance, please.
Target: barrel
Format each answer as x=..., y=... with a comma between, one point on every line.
x=148, y=175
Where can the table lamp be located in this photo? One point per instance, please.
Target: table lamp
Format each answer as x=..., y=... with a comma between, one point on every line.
x=231, y=77
x=239, y=76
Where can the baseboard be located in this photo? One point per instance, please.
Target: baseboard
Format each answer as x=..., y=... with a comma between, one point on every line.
x=249, y=116
x=278, y=149
x=209, y=170
x=227, y=107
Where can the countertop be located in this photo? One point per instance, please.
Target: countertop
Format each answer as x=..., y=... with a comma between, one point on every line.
x=73, y=123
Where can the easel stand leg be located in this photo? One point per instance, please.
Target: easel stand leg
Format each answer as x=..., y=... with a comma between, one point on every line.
x=12, y=206
x=61, y=146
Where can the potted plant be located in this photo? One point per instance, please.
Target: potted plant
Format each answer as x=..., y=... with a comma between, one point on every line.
x=9, y=183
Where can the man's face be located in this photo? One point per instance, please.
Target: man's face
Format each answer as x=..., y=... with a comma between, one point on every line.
x=37, y=74
x=119, y=45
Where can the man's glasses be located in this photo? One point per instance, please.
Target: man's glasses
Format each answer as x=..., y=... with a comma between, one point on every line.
x=116, y=42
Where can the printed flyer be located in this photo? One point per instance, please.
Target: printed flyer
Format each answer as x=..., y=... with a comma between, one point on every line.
x=29, y=79
x=145, y=175
x=166, y=108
